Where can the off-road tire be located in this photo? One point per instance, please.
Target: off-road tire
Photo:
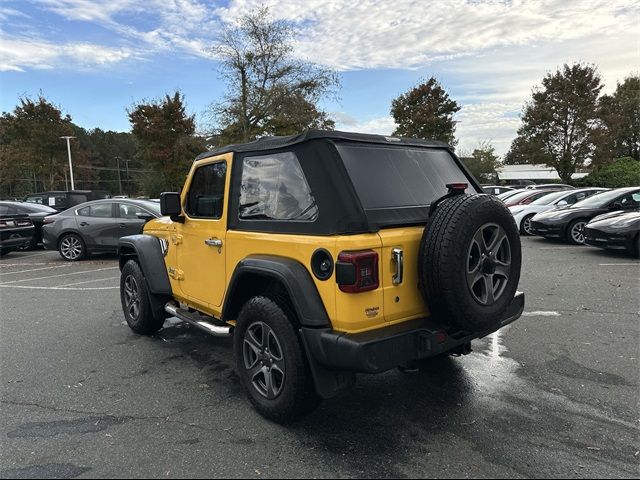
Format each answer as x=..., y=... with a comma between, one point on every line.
x=133, y=288
x=297, y=396
x=65, y=252
x=447, y=254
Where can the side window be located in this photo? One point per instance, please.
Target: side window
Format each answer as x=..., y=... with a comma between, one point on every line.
x=4, y=210
x=102, y=210
x=571, y=199
x=273, y=187
x=206, y=193
x=129, y=211
x=84, y=212
x=630, y=200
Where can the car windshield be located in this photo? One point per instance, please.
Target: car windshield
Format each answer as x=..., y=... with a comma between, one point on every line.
x=552, y=197
x=510, y=193
x=598, y=200
x=521, y=196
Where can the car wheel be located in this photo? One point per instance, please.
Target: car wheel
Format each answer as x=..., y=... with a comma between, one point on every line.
x=72, y=247
x=134, y=297
x=575, y=232
x=525, y=225
x=271, y=362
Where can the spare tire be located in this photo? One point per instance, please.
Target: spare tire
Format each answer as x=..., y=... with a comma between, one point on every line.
x=469, y=261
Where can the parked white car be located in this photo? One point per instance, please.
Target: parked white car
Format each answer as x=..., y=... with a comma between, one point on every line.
x=523, y=213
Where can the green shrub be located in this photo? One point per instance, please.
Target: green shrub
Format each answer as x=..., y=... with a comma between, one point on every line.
x=623, y=172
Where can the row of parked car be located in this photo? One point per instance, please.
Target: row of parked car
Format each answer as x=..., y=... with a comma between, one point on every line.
x=90, y=227
x=598, y=217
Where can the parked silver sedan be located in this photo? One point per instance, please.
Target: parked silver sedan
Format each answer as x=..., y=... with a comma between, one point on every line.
x=96, y=227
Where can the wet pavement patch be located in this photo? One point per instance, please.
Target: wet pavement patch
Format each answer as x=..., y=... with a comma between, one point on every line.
x=51, y=470
x=66, y=427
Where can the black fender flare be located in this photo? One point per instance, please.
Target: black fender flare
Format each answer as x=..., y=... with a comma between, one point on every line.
x=148, y=251
x=295, y=278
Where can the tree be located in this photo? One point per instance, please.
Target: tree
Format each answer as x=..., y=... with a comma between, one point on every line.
x=268, y=90
x=560, y=123
x=426, y=111
x=622, y=172
x=32, y=154
x=166, y=142
x=483, y=162
x=620, y=114
x=109, y=151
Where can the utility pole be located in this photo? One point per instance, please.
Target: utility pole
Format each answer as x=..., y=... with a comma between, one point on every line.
x=119, y=179
x=67, y=138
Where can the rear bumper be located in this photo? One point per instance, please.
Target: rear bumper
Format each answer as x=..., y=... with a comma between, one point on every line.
x=386, y=348
x=15, y=237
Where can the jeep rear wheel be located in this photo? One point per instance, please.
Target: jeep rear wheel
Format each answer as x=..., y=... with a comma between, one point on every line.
x=470, y=261
x=271, y=363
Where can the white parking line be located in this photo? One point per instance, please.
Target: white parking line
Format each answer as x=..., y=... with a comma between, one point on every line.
x=35, y=254
x=541, y=313
x=88, y=281
x=34, y=270
x=24, y=264
x=27, y=287
x=637, y=264
x=56, y=276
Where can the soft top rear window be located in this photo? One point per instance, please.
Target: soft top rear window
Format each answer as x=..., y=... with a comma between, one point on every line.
x=388, y=177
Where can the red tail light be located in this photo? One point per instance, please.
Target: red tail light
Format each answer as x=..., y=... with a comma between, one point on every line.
x=357, y=271
x=23, y=223
x=526, y=201
x=48, y=220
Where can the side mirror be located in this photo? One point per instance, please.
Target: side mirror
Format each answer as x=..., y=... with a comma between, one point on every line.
x=145, y=216
x=562, y=203
x=170, y=205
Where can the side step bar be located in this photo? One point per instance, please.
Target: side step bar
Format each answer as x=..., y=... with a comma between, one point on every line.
x=197, y=321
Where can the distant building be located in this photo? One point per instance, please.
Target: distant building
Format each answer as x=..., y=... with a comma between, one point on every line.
x=534, y=173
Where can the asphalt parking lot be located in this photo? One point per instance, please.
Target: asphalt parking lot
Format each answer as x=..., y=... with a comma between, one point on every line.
x=555, y=394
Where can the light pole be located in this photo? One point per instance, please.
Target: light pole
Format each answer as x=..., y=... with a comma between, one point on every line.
x=73, y=187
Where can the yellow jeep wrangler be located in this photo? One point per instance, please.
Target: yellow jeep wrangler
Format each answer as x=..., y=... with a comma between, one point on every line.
x=325, y=255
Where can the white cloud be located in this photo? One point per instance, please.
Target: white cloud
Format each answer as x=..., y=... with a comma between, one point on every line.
x=17, y=54
x=347, y=123
x=408, y=34
x=491, y=52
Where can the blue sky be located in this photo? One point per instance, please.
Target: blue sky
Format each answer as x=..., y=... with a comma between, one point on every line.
x=96, y=58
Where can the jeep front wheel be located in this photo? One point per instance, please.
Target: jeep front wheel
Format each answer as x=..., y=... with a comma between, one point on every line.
x=136, y=305
x=271, y=362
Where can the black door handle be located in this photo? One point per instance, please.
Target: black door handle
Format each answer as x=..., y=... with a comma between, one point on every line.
x=83, y=224
x=122, y=225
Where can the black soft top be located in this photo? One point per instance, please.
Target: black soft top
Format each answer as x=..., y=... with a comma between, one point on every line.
x=273, y=143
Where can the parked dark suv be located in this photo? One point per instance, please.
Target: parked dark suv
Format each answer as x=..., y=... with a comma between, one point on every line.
x=61, y=200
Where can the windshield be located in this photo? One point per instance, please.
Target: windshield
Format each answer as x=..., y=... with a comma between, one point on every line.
x=552, y=197
x=387, y=177
x=599, y=200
